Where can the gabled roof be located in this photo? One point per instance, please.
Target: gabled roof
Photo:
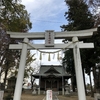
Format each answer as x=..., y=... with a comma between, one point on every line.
x=52, y=70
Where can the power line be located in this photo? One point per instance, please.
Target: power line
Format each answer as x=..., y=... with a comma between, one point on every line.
x=47, y=21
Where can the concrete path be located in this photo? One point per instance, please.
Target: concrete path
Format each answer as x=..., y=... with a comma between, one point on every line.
x=55, y=96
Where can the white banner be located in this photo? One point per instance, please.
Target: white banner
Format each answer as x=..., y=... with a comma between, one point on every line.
x=49, y=95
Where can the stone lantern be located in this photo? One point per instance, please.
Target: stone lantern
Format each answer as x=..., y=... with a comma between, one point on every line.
x=67, y=88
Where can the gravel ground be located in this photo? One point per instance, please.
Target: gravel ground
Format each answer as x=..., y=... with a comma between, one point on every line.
x=41, y=97
x=32, y=97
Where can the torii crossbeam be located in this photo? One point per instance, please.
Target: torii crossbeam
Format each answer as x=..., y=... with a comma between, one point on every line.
x=75, y=44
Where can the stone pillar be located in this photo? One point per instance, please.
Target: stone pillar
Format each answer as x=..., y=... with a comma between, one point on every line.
x=39, y=85
x=63, y=91
x=78, y=69
x=39, y=90
x=34, y=90
x=19, y=83
x=67, y=89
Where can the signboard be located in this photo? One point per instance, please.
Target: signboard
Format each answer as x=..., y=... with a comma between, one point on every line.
x=49, y=95
x=49, y=38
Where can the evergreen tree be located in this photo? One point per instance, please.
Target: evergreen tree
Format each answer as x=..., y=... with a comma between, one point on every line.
x=78, y=15
x=13, y=17
x=79, y=18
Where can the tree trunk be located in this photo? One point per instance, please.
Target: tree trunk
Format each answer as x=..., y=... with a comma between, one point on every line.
x=94, y=75
x=5, y=78
x=32, y=81
x=73, y=82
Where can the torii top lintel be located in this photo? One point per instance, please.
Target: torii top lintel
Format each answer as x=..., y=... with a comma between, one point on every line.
x=57, y=35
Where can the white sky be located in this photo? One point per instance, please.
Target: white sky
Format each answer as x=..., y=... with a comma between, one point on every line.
x=46, y=14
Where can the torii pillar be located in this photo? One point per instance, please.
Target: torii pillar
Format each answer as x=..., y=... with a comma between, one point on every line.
x=19, y=83
x=78, y=69
x=60, y=35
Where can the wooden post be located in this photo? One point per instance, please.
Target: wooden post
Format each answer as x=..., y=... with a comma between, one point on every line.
x=62, y=86
x=45, y=85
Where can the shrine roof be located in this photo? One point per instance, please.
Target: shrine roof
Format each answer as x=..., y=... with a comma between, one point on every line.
x=52, y=70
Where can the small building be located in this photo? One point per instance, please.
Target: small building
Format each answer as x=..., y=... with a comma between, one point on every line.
x=52, y=77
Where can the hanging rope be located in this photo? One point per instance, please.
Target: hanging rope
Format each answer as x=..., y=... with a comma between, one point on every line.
x=40, y=56
x=58, y=56
x=48, y=52
x=49, y=57
x=67, y=45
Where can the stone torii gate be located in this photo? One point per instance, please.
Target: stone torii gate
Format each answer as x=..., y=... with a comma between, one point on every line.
x=49, y=37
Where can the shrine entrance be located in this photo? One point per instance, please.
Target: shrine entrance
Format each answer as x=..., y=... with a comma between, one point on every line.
x=51, y=84
x=49, y=37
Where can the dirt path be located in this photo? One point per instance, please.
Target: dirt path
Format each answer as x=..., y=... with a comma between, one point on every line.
x=73, y=98
x=60, y=97
x=32, y=97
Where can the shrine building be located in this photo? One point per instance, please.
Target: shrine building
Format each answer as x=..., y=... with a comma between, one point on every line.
x=52, y=77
